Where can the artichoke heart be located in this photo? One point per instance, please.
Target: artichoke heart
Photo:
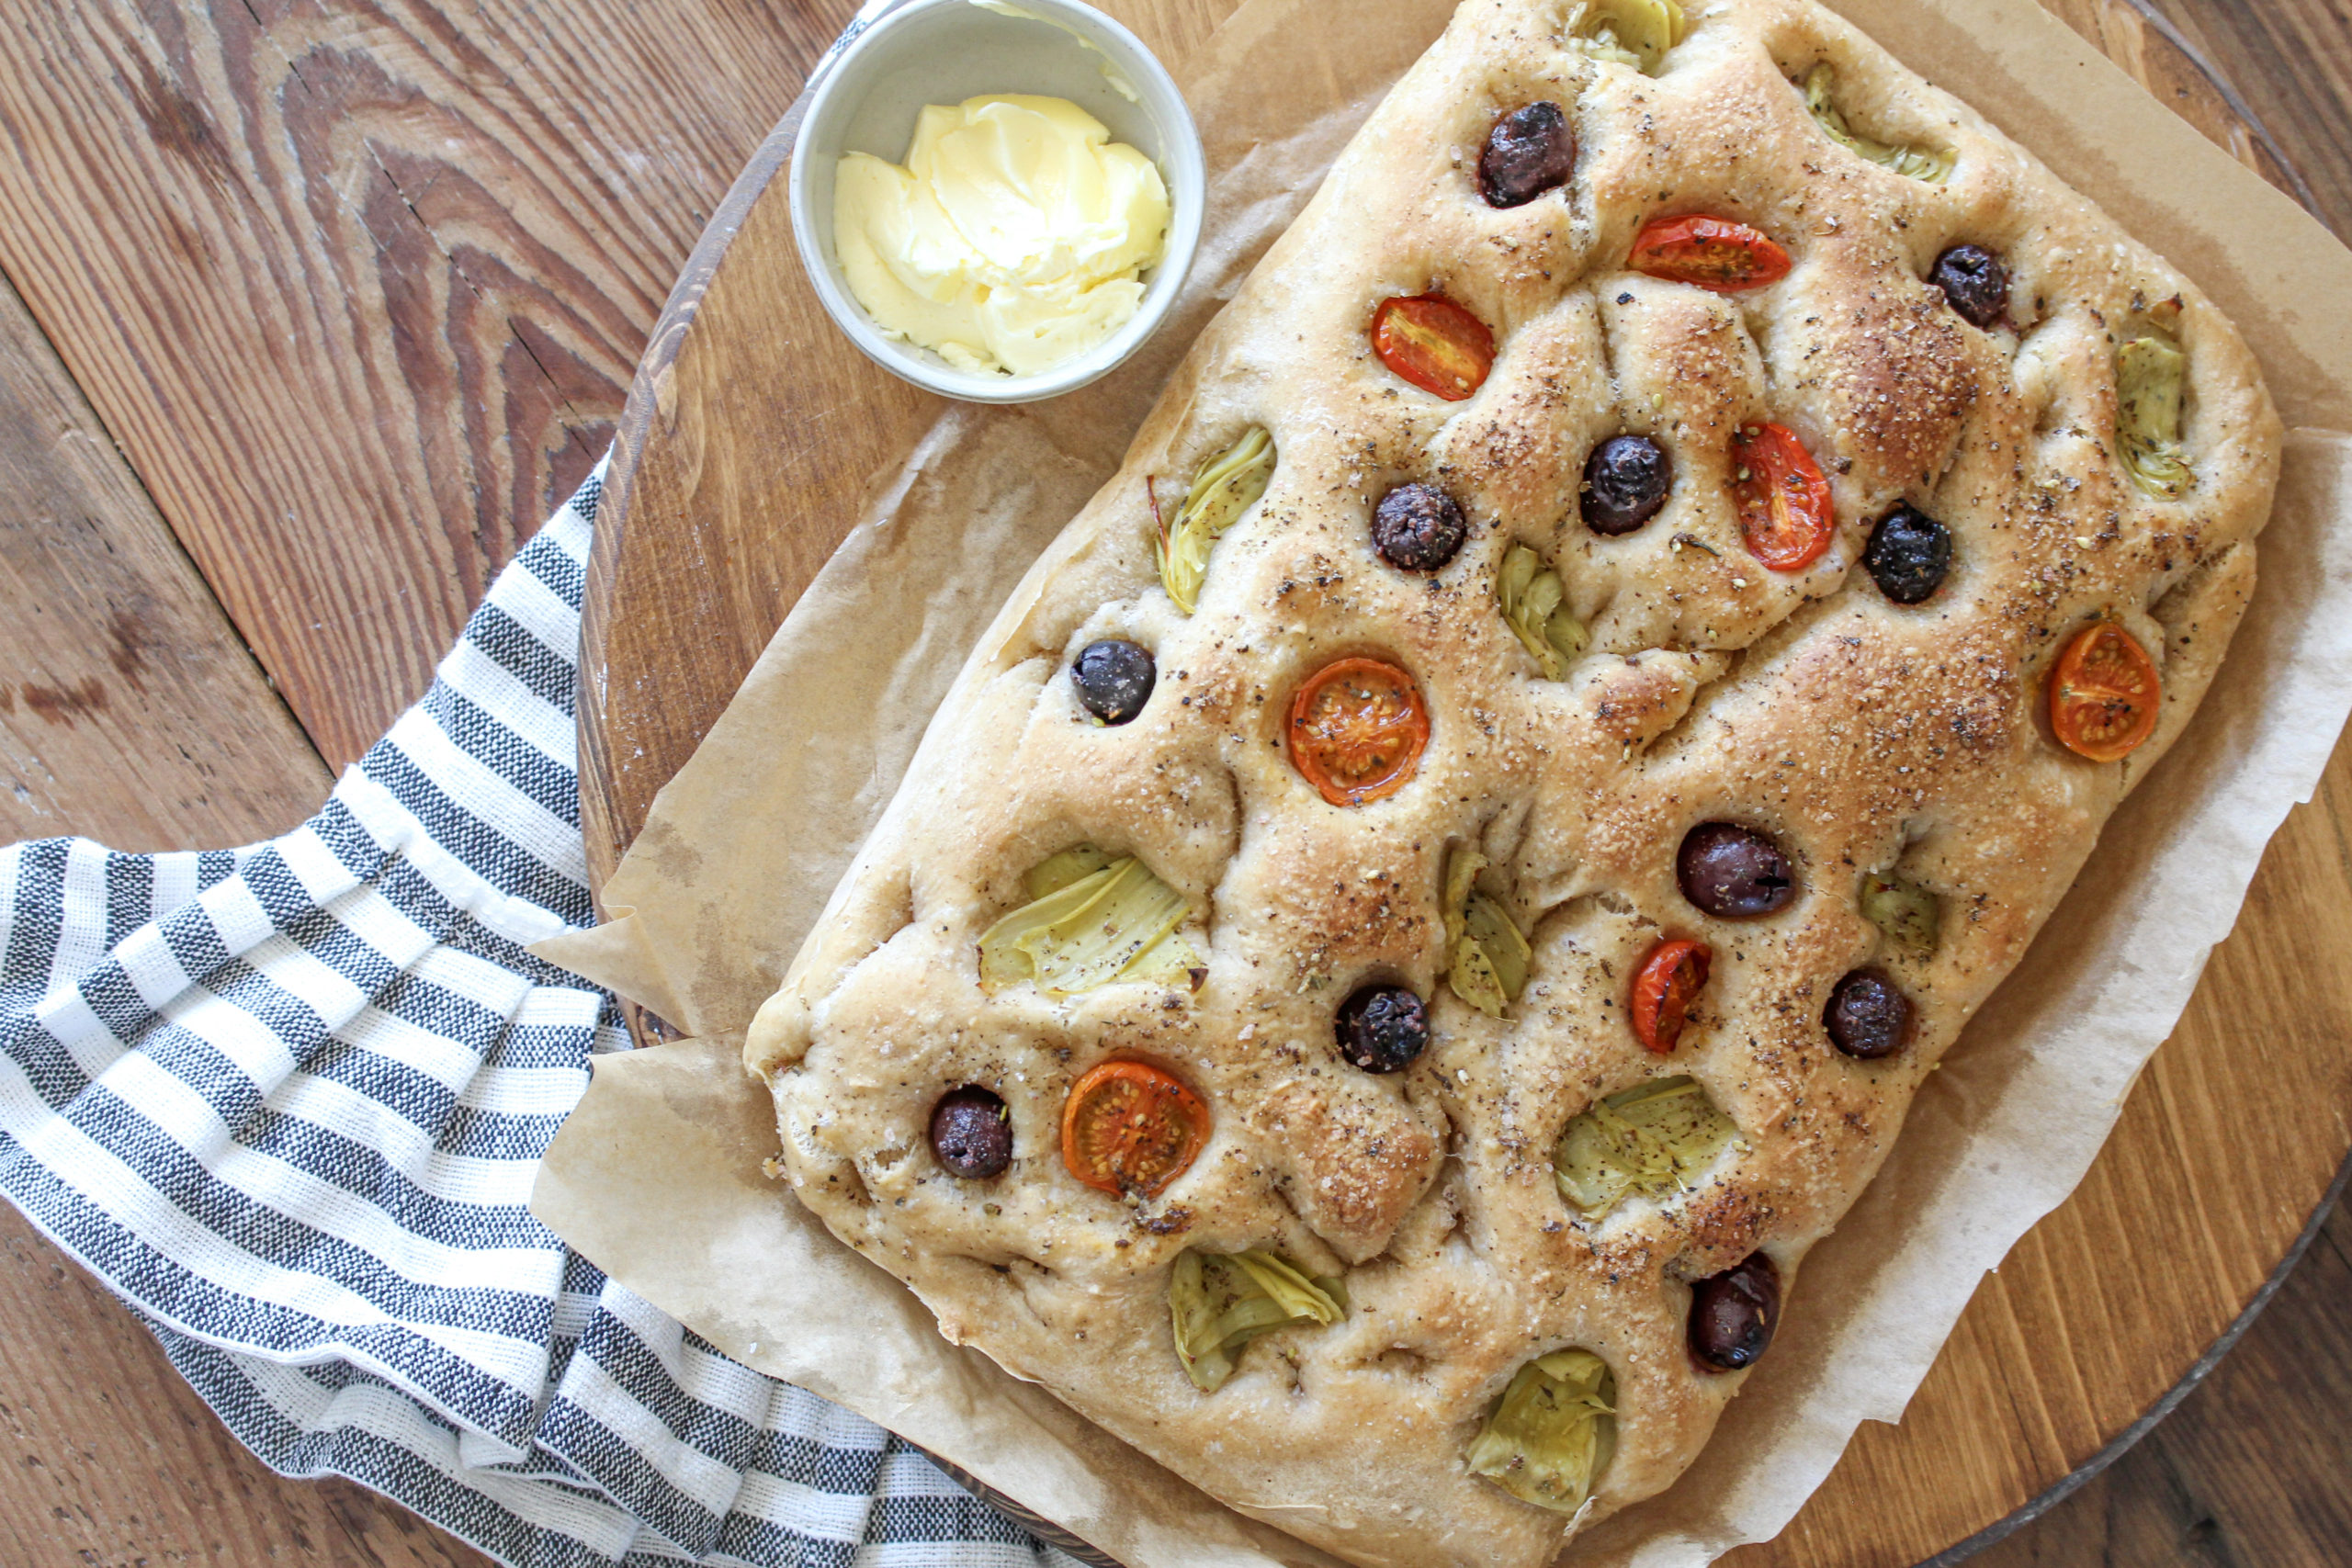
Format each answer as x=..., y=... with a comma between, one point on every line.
x=1486, y=954
x=1090, y=920
x=1221, y=1301
x=1649, y=1141
x=1916, y=161
x=1528, y=594
x=1627, y=32
x=1908, y=913
x=1224, y=490
x=2151, y=373
x=1552, y=1432
x=1055, y=872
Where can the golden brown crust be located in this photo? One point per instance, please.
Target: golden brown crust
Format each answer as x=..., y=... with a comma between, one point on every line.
x=1862, y=734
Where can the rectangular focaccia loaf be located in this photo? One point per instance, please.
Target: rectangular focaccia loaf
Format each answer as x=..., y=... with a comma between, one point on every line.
x=1458, y=1049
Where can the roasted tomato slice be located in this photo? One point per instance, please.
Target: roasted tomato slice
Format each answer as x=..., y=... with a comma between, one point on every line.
x=1131, y=1127
x=1713, y=252
x=1357, y=728
x=1434, y=344
x=2105, y=692
x=1784, y=515
x=1663, y=987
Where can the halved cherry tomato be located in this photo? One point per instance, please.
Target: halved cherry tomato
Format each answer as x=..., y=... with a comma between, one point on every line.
x=2105, y=693
x=1357, y=728
x=1784, y=515
x=1663, y=987
x=1713, y=252
x=1131, y=1127
x=1434, y=344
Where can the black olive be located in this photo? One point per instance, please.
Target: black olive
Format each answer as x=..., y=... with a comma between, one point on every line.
x=1909, y=554
x=1382, y=1028
x=970, y=1135
x=1625, y=482
x=1975, y=282
x=1868, y=1016
x=1113, y=679
x=1418, y=527
x=1529, y=152
x=1733, y=1313
x=1734, y=872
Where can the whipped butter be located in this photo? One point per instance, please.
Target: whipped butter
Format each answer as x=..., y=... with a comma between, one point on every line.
x=1011, y=238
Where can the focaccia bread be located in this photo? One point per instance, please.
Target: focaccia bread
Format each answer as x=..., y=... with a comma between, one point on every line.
x=1441, y=885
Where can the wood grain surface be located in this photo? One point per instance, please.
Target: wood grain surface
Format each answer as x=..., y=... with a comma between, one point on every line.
x=116, y=662
x=333, y=299
x=457, y=221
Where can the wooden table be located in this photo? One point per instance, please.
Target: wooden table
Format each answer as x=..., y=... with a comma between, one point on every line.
x=314, y=308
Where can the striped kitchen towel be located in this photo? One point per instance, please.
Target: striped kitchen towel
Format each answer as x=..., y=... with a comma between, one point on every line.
x=288, y=1101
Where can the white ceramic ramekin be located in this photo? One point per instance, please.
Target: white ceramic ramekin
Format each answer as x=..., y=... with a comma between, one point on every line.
x=942, y=51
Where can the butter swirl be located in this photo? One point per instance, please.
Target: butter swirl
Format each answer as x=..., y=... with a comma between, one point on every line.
x=1011, y=239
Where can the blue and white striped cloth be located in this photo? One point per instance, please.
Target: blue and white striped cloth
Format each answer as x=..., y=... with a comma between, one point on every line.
x=288, y=1102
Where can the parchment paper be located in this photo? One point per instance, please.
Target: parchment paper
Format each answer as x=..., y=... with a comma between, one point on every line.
x=658, y=1175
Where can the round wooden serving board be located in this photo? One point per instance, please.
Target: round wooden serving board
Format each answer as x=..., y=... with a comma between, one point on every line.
x=735, y=473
